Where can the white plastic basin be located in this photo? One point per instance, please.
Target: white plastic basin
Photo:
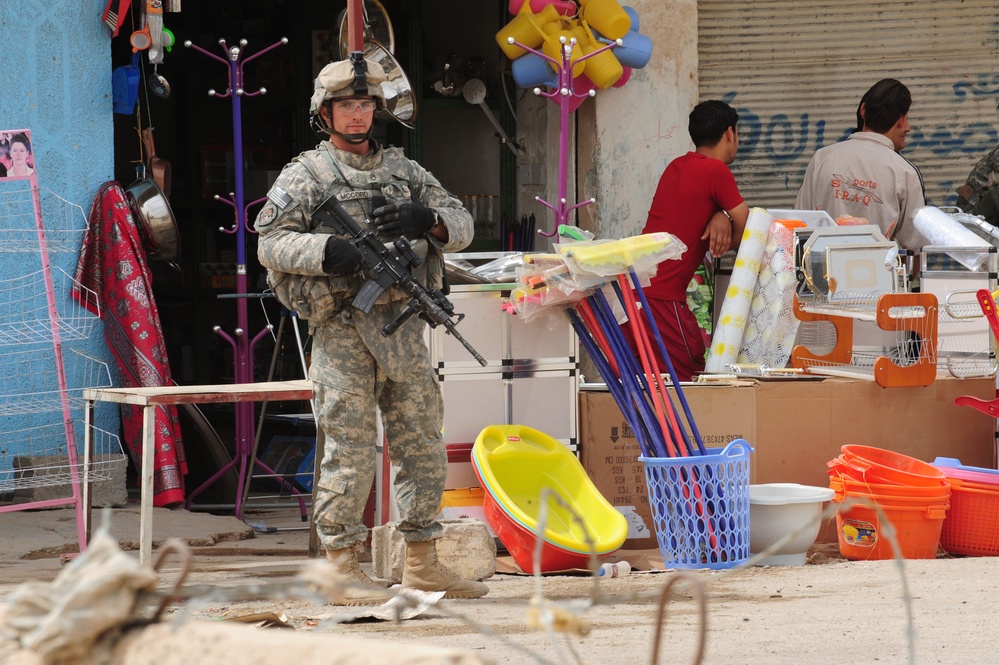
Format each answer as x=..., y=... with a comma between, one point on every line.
x=779, y=509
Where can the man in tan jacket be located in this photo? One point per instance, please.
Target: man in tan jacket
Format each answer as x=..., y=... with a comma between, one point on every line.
x=865, y=176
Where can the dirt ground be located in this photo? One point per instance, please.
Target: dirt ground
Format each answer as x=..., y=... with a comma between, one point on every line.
x=830, y=610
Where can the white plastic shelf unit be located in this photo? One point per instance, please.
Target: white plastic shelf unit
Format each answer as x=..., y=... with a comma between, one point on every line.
x=41, y=380
x=965, y=347
x=531, y=377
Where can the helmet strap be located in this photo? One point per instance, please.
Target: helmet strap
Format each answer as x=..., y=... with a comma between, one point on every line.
x=360, y=73
x=353, y=139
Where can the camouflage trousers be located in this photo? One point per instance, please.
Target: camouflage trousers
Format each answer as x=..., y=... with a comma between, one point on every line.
x=348, y=387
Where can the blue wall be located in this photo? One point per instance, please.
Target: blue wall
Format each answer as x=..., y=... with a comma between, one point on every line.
x=56, y=69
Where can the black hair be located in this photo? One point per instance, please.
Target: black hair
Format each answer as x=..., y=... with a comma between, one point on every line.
x=708, y=122
x=21, y=137
x=885, y=102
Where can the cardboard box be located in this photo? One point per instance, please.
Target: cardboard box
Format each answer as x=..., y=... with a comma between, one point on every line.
x=795, y=427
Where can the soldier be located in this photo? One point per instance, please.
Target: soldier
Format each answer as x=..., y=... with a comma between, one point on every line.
x=355, y=369
x=979, y=195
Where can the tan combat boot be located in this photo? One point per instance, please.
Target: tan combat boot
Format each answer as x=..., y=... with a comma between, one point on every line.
x=353, y=586
x=424, y=572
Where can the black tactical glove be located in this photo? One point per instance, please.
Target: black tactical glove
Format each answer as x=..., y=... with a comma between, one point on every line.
x=341, y=257
x=408, y=219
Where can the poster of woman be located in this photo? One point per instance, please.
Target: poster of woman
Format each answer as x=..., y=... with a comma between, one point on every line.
x=17, y=159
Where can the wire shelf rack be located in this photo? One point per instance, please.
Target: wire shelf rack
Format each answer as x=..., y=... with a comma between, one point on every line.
x=863, y=363
x=65, y=222
x=964, y=341
x=43, y=310
x=37, y=457
x=42, y=368
x=858, y=306
x=910, y=319
x=25, y=317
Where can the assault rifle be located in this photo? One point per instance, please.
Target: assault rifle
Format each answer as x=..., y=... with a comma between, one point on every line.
x=387, y=267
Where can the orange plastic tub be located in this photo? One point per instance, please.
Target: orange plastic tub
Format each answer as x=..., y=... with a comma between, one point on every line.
x=876, y=465
x=898, y=497
x=841, y=481
x=862, y=533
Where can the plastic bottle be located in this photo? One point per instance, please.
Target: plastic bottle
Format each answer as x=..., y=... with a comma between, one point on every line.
x=619, y=569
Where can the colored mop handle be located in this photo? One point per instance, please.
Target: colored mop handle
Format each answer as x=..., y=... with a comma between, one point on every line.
x=598, y=348
x=612, y=372
x=652, y=387
x=651, y=366
x=631, y=392
x=630, y=373
x=612, y=385
x=669, y=363
x=588, y=318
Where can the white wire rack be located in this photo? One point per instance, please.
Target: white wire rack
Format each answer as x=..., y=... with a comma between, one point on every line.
x=909, y=354
x=862, y=306
x=65, y=222
x=965, y=342
x=38, y=440
x=25, y=317
x=37, y=457
x=42, y=366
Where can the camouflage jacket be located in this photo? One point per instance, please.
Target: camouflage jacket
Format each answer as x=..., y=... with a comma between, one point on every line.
x=291, y=246
x=982, y=178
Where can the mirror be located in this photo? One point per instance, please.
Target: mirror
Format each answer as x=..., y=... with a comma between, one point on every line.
x=400, y=102
x=377, y=26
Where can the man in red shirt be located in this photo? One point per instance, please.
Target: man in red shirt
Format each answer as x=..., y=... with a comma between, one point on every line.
x=697, y=201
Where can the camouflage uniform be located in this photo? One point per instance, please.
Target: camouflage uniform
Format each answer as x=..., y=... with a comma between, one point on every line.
x=354, y=367
x=979, y=195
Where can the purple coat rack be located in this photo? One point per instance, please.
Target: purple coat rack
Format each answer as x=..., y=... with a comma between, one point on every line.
x=240, y=342
x=565, y=91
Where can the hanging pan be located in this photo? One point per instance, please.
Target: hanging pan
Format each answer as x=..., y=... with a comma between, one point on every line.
x=400, y=102
x=159, y=168
x=377, y=26
x=154, y=217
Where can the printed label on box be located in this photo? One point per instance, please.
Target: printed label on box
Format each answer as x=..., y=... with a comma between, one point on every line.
x=637, y=528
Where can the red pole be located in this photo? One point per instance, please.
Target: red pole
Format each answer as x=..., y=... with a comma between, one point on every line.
x=355, y=26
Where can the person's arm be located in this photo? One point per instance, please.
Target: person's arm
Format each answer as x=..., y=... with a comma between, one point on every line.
x=738, y=216
x=283, y=241
x=454, y=226
x=724, y=230
x=719, y=233
x=439, y=231
x=906, y=235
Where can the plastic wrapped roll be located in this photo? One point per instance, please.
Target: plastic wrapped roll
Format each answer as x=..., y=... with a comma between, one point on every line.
x=941, y=229
x=772, y=325
x=734, y=315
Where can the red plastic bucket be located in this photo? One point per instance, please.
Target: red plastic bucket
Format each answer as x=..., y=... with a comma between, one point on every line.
x=869, y=464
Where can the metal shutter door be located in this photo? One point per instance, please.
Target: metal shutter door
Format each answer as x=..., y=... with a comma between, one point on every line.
x=795, y=71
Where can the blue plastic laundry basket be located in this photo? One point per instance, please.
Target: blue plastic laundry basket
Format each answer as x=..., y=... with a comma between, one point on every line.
x=700, y=505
